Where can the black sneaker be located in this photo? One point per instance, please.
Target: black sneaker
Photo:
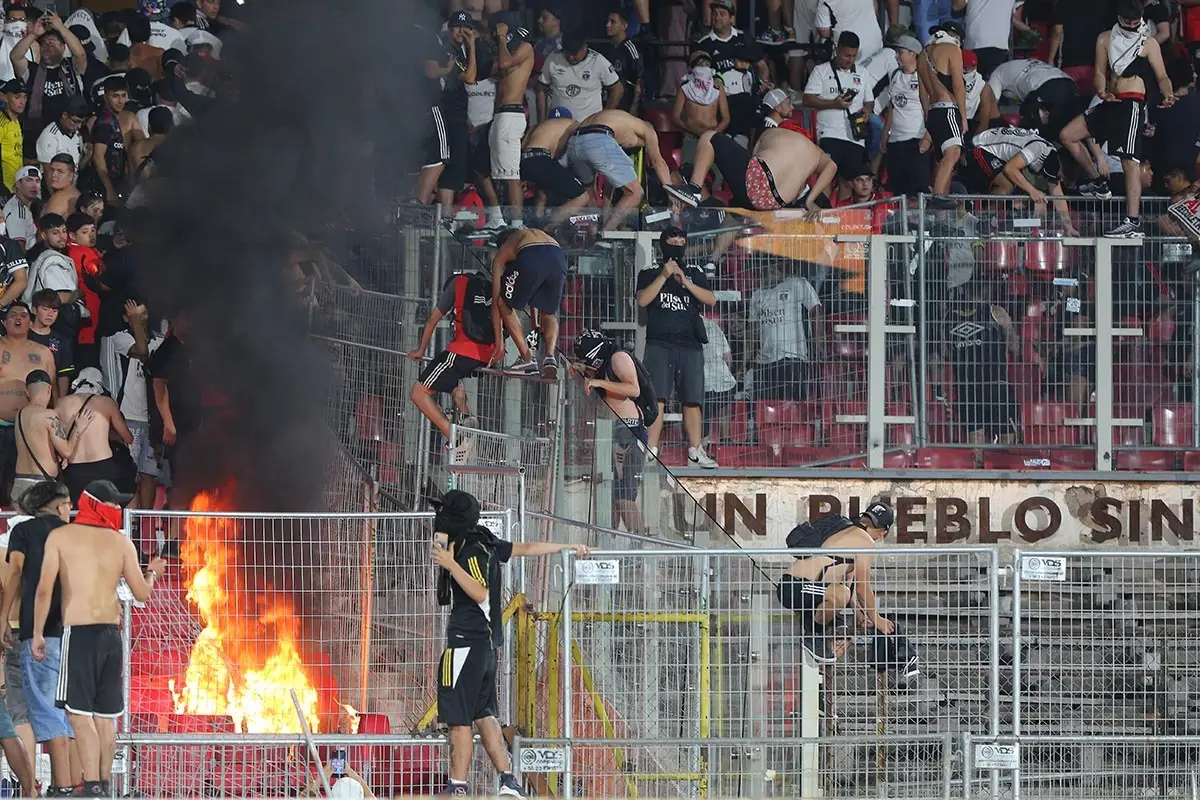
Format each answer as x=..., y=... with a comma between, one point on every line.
x=1127, y=230
x=1097, y=188
x=457, y=790
x=549, y=367
x=817, y=646
x=509, y=786
x=688, y=193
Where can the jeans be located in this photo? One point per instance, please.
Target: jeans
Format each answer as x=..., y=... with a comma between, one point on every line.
x=41, y=684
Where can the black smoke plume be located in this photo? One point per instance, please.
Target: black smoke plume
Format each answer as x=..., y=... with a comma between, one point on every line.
x=318, y=111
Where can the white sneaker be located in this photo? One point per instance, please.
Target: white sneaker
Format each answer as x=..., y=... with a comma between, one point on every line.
x=528, y=366
x=698, y=458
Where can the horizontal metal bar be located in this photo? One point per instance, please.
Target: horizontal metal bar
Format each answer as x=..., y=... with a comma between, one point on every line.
x=763, y=551
x=898, y=738
x=286, y=515
x=272, y=739
x=607, y=531
x=484, y=469
x=849, y=328
x=1130, y=553
x=899, y=328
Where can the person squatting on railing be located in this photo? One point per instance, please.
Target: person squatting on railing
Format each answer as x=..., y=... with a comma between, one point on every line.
x=470, y=582
x=819, y=587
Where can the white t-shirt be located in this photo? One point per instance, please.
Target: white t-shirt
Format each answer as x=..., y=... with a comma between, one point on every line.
x=834, y=123
x=19, y=222
x=908, y=118
x=51, y=270
x=161, y=35
x=878, y=68
x=54, y=140
x=125, y=377
x=989, y=23
x=853, y=15
x=577, y=87
x=178, y=113
x=974, y=83
x=86, y=19
x=1022, y=77
x=1005, y=143
x=481, y=102
x=780, y=313
x=717, y=376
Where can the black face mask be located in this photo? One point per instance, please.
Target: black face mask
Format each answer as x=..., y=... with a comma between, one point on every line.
x=672, y=251
x=1131, y=29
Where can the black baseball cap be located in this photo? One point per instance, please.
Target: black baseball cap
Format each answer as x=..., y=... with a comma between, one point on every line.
x=461, y=506
x=880, y=514
x=106, y=492
x=14, y=87
x=460, y=19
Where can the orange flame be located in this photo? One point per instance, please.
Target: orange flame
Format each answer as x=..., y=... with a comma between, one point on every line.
x=246, y=660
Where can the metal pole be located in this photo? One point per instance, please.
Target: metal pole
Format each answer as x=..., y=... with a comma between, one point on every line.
x=919, y=386
x=1104, y=356
x=367, y=581
x=1016, y=666
x=1195, y=362
x=312, y=747
x=994, y=656
x=911, y=320
x=968, y=761
x=877, y=308
x=947, y=766
x=568, y=565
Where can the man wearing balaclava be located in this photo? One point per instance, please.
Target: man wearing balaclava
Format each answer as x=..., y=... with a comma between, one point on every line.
x=470, y=557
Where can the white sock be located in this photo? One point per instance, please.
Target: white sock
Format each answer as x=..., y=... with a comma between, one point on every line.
x=517, y=223
x=495, y=216
x=693, y=452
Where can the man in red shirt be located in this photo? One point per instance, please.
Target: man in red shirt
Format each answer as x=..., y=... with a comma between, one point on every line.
x=469, y=298
x=89, y=266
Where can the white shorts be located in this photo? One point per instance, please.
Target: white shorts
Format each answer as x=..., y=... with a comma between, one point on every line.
x=508, y=129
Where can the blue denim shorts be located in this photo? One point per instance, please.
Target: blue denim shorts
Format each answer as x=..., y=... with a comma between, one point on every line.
x=598, y=152
x=41, y=682
x=7, y=729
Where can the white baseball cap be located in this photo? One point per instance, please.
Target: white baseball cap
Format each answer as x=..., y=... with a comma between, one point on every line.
x=28, y=171
x=773, y=98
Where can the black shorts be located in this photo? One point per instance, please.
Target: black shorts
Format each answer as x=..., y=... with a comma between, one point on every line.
x=466, y=685
x=848, y=156
x=676, y=369
x=945, y=127
x=797, y=594
x=908, y=168
x=448, y=143
x=732, y=159
x=990, y=58
x=629, y=458
x=785, y=379
x=1119, y=125
x=982, y=169
x=558, y=182
x=90, y=676
x=447, y=370
x=480, y=161
x=536, y=278
x=76, y=477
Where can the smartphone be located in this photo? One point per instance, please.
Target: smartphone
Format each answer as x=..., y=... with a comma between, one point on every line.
x=850, y=94
x=442, y=540
x=337, y=764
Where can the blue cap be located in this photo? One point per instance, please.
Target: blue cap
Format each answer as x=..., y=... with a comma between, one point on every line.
x=561, y=112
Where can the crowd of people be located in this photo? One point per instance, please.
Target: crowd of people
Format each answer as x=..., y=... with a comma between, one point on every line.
x=939, y=100
x=95, y=385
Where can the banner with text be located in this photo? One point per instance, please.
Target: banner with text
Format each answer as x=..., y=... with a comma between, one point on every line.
x=1023, y=513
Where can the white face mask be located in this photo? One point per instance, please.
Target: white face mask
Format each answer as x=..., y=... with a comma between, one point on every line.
x=702, y=74
x=16, y=29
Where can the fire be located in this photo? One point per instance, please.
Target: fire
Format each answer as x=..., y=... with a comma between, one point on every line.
x=246, y=660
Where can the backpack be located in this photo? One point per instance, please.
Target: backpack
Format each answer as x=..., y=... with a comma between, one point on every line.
x=647, y=401
x=474, y=319
x=814, y=534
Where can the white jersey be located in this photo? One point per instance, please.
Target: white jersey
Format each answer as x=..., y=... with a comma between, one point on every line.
x=125, y=377
x=876, y=70
x=974, y=84
x=19, y=222
x=717, y=375
x=1022, y=77
x=858, y=16
x=1004, y=143
x=908, y=118
x=780, y=312
x=578, y=87
x=834, y=123
x=481, y=102
x=88, y=20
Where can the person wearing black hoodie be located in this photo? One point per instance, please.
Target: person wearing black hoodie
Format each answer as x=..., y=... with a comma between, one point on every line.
x=470, y=582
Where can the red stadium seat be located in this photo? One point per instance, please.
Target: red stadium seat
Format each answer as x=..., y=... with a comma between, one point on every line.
x=1043, y=423
x=1073, y=460
x=778, y=437
x=846, y=344
x=1083, y=77
x=1000, y=255
x=1146, y=460
x=1172, y=426
x=1019, y=461
x=1191, y=461
x=1047, y=257
x=943, y=428
x=660, y=117
x=944, y=458
x=368, y=417
x=845, y=435
x=784, y=412
x=746, y=455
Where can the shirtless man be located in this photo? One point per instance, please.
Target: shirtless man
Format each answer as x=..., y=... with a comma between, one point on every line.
x=700, y=104
x=41, y=440
x=775, y=176
x=89, y=558
x=1126, y=57
x=92, y=459
x=60, y=176
x=555, y=184
x=161, y=123
x=599, y=145
x=514, y=65
x=529, y=270
x=613, y=374
x=18, y=358
x=941, y=70
x=819, y=587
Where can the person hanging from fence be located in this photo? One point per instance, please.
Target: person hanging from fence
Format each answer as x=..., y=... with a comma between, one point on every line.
x=941, y=71
x=468, y=297
x=818, y=587
x=529, y=270
x=624, y=385
x=470, y=557
x=91, y=556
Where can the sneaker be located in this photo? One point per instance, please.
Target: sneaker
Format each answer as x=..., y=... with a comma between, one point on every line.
x=771, y=36
x=509, y=786
x=817, y=646
x=698, y=458
x=789, y=34
x=1097, y=188
x=688, y=193
x=549, y=367
x=527, y=366
x=1127, y=230
x=457, y=790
